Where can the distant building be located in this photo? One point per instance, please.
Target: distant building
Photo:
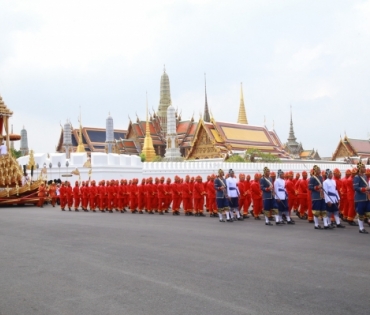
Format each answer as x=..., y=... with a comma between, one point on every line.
x=295, y=149
x=348, y=148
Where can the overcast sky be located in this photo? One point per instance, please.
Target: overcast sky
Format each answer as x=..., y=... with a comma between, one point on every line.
x=56, y=56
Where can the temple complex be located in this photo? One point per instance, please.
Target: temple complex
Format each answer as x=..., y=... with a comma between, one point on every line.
x=348, y=148
x=203, y=139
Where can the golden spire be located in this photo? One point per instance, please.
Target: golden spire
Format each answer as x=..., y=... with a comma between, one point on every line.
x=148, y=148
x=80, y=147
x=242, y=117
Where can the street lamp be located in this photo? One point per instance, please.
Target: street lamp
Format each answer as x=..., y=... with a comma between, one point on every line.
x=59, y=165
x=50, y=166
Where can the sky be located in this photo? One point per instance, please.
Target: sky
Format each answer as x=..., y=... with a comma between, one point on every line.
x=101, y=57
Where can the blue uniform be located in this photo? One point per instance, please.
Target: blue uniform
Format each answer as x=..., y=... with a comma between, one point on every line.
x=361, y=197
x=221, y=195
x=317, y=197
x=269, y=202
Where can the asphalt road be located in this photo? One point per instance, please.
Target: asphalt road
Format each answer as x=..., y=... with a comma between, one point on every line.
x=54, y=262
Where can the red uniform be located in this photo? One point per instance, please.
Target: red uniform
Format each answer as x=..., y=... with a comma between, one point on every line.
x=141, y=196
x=85, y=195
x=134, y=192
x=168, y=193
x=256, y=194
x=53, y=194
x=41, y=194
x=302, y=187
x=69, y=193
x=149, y=195
x=290, y=189
x=63, y=196
x=199, y=193
x=161, y=196
x=176, y=195
x=351, y=198
x=344, y=197
x=93, y=192
x=211, y=196
x=187, y=196
x=76, y=195
x=247, y=196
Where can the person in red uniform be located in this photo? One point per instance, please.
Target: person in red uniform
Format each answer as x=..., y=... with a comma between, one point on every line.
x=297, y=199
x=256, y=194
x=241, y=188
x=192, y=182
x=93, y=192
x=133, y=196
x=141, y=196
x=168, y=194
x=76, y=195
x=211, y=195
x=85, y=195
x=150, y=194
x=161, y=196
x=176, y=195
x=302, y=189
x=69, y=193
x=343, y=205
x=155, y=196
x=53, y=194
x=198, y=194
x=247, y=196
x=206, y=195
x=351, y=198
x=309, y=203
x=63, y=196
x=290, y=189
x=187, y=195
x=41, y=194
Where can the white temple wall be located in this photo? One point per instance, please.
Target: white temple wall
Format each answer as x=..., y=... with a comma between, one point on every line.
x=114, y=166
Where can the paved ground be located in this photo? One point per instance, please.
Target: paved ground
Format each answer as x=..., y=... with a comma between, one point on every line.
x=54, y=262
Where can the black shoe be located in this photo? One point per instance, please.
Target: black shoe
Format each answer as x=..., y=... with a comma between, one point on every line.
x=291, y=222
x=363, y=231
x=269, y=223
x=161, y=213
x=201, y=214
x=340, y=226
x=311, y=221
x=318, y=227
x=245, y=216
x=222, y=220
x=231, y=221
x=240, y=219
x=328, y=227
x=352, y=223
x=279, y=223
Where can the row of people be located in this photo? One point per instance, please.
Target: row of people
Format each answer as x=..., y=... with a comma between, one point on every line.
x=158, y=196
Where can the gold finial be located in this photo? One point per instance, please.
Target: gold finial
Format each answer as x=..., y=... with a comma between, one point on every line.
x=80, y=146
x=164, y=68
x=242, y=117
x=148, y=148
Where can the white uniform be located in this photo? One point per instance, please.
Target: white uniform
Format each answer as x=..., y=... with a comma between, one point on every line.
x=279, y=187
x=331, y=193
x=232, y=188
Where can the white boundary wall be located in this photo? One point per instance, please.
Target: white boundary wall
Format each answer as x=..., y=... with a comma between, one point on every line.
x=114, y=166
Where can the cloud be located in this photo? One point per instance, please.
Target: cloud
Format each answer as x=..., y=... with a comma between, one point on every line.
x=105, y=55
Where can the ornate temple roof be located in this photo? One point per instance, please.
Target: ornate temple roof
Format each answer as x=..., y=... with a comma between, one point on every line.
x=93, y=139
x=348, y=147
x=226, y=137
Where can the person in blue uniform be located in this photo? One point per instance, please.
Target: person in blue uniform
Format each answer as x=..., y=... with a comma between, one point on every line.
x=318, y=200
x=362, y=192
x=269, y=205
x=222, y=198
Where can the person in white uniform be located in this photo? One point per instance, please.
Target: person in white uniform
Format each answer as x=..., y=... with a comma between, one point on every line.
x=233, y=193
x=331, y=199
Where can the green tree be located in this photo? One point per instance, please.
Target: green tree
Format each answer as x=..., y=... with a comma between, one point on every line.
x=158, y=158
x=255, y=155
x=15, y=153
x=142, y=157
x=235, y=158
